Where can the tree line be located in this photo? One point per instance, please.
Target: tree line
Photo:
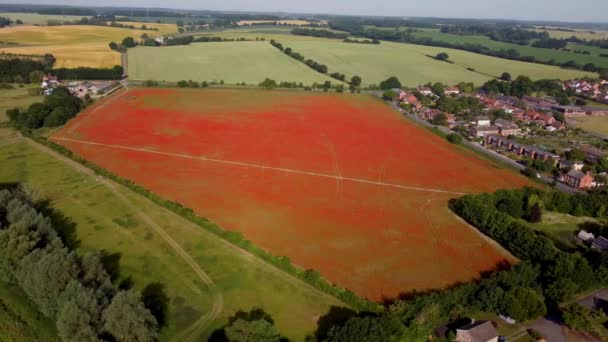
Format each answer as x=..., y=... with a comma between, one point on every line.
x=29, y=70
x=498, y=33
x=545, y=277
x=76, y=292
x=362, y=41
x=56, y=109
x=523, y=85
x=319, y=33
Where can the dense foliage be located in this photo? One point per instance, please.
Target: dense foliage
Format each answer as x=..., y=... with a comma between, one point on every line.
x=322, y=68
x=523, y=85
x=84, y=73
x=76, y=292
x=13, y=69
x=319, y=33
x=55, y=110
x=503, y=34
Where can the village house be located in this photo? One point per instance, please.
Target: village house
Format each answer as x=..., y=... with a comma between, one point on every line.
x=49, y=81
x=520, y=149
x=92, y=88
x=451, y=91
x=568, y=165
x=411, y=100
x=483, y=131
x=507, y=127
x=601, y=244
x=538, y=103
x=483, y=121
x=577, y=179
x=426, y=91
x=482, y=331
x=570, y=111
x=592, y=154
x=585, y=236
x=595, y=111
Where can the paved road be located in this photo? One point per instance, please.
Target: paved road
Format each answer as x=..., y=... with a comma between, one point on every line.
x=480, y=148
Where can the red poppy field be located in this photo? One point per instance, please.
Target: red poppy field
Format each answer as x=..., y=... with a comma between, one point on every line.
x=339, y=183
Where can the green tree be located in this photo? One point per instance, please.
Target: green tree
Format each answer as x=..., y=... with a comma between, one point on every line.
x=561, y=117
x=390, y=83
x=389, y=95
x=356, y=81
x=438, y=88
x=129, y=42
x=576, y=155
x=505, y=76
x=36, y=76
x=577, y=317
x=258, y=330
x=126, y=319
x=268, y=83
x=440, y=119
x=370, y=328
x=79, y=318
x=442, y=56
x=454, y=138
x=523, y=303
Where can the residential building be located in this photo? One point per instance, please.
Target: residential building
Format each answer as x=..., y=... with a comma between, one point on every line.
x=586, y=236
x=483, y=121
x=592, y=154
x=426, y=91
x=482, y=331
x=578, y=179
x=520, y=149
x=570, y=111
x=50, y=81
x=569, y=165
x=451, y=91
x=601, y=244
x=483, y=131
x=595, y=111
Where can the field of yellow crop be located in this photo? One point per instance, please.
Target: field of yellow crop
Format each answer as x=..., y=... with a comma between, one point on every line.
x=73, y=45
x=280, y=22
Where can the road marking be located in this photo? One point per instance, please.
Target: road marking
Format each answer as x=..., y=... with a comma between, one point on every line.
x=264, y=167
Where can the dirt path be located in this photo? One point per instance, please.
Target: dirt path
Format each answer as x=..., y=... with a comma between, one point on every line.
x=194, y=331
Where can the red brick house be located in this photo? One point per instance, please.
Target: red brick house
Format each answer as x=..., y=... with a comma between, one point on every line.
x=578, y=179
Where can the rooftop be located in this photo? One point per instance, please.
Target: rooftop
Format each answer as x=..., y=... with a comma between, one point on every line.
x=481, y=331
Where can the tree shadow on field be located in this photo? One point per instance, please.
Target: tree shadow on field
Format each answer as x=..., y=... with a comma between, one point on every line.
x=63, y=225
x=157, y=301
x=337, y=316
x=111, y=263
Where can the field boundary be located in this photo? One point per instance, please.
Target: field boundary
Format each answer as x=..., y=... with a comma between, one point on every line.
x=264, y=167
x=282, y=263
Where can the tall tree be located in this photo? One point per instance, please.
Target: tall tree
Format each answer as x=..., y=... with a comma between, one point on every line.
x=259, y=330
x=127, y=319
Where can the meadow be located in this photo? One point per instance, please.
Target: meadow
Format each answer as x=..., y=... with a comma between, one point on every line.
x=17, y=98
x=306, y=176
x=540, y=54
x=412, y=64
x=72, y=45
x=232, y=62
x=579, y=33
x=126, y=226
x=594, y=124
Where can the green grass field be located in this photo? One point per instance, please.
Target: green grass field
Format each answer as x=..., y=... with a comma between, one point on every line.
x=104, y=221
x=540, y=54
x=232, y=62
x=20, y=320
x=562, y=227
x=411, y=64
x=594, y=124
x=18, y=97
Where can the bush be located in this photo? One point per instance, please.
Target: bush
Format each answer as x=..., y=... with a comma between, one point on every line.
x=454, y=138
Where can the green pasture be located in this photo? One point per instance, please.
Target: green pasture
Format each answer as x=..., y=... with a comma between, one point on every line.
x=18, y=97
x=102, y=220
x=562, y=228
x=540, y=54
x=594, y=124
x=232, y=62
x=412, y=64
x=39, y=19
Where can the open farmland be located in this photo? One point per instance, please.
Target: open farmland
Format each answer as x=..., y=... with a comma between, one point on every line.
x=232, y=62
x=412, y=65
x=338, y=183
x=39, y=19
x=594, y=124
x=17, y=98
x=540, y=54
x=72, y=45
x=126, y=226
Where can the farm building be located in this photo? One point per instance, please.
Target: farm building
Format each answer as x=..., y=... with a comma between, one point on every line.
x=482, y=331
x=601, y=244
x=585, y=236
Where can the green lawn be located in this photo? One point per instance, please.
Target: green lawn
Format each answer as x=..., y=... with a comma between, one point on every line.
x=538, y=53
x=104, y=221
x=20, y=320
x=595, y=124
x=18, y=97
x=411, y=64
x=562, y=227
x=232, y=62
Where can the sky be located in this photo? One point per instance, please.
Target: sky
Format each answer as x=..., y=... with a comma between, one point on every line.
x=562, y=10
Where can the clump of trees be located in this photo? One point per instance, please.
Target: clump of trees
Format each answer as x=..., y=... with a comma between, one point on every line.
x=523, y=85
x=25, y=70
x=362, y=41
x=5, y=22
x=390, y=83
x=442, y=56
x=76, y=292
x=319, y=33
x=55, y=110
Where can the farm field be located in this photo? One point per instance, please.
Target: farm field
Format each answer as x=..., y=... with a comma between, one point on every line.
x=538, y=53
x=375, y=63
x=579, y=33
x=112, y=220
x=338, y=183
x=38, y=19
x=594, y=124
x=72, y=45
x=232, y=62
x=18, y=97
x=562, y=227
